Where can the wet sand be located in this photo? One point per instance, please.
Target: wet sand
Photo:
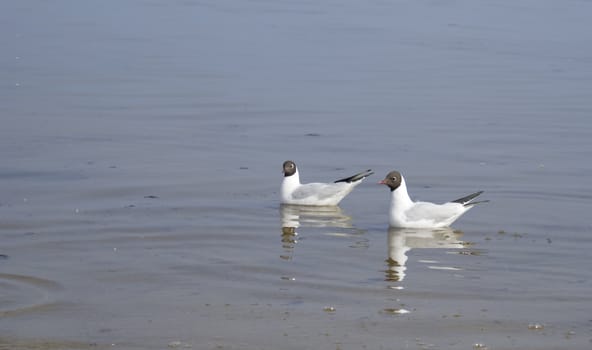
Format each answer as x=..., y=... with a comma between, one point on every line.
x=141, y=151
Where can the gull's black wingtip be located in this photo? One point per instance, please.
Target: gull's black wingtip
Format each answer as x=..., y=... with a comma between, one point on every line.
x=357, y=177
x=466, y=200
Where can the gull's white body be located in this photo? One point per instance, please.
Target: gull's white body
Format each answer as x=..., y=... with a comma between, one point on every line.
x=316, y=193
x=319, y=194
x=406, y=213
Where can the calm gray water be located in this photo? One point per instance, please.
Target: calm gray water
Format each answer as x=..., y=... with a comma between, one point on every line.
x=141, y=145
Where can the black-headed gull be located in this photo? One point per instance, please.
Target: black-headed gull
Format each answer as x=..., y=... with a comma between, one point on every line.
x=406, y=213
x=293, y=192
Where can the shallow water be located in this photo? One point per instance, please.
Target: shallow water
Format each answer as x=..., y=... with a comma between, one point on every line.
x=141, y=149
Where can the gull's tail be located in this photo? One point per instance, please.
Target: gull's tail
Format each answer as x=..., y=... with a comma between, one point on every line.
x=357, y=177
x=466, y=201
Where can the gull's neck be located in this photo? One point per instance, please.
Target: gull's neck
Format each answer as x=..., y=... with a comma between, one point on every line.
x=294, y=179
x=289, y=184
x=400, y=197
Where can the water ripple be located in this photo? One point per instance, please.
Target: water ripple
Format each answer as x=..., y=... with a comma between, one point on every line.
x=25, y=293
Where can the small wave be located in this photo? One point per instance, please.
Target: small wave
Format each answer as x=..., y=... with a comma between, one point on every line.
x=25, y=293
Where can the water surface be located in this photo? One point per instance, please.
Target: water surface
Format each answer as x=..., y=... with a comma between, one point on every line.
x=141, y=149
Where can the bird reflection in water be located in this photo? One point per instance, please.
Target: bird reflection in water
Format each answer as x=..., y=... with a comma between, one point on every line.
x=402, y=240
x=295, y=216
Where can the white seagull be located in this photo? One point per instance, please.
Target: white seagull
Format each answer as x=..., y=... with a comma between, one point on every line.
x=293, y=192
x=406, y=213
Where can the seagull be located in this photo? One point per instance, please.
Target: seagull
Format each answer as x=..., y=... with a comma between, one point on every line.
x=320, y=194
x=405, y=213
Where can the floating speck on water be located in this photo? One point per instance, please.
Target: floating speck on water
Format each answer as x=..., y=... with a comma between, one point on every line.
x=178, y=344
x=329, y=309
x=425, y=346
x=244, y=168
x=395, y=311
x=288, y=278
x=3, y=256
x=479, y=346
x=501, y=232
x=313, y=134
x=151, y=197
x=536, y=326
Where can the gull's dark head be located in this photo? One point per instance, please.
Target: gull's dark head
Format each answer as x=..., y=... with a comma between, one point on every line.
x=289, y=168
x=392, y=180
